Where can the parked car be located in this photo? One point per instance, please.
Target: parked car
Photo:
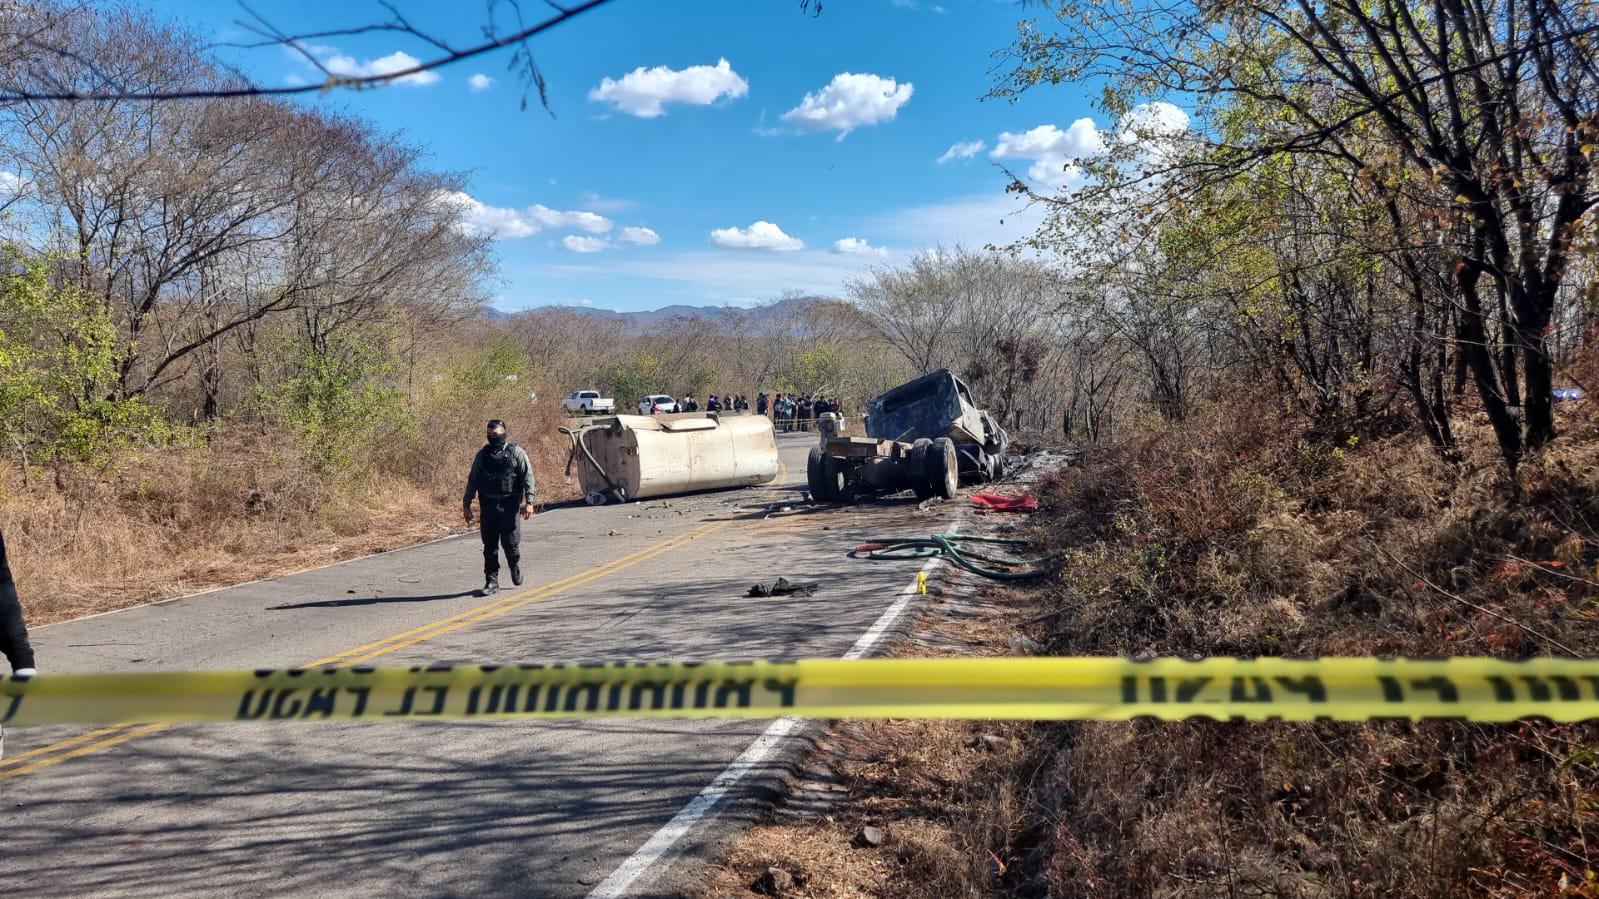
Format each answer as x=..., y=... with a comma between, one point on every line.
x=660, y=402
x=588, y=402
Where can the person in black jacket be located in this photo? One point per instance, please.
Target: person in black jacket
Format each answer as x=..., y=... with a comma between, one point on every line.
x=13, y=633
x=502, y=479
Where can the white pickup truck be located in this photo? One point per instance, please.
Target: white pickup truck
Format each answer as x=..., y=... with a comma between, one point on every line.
x=588, y=402
x=656, y=402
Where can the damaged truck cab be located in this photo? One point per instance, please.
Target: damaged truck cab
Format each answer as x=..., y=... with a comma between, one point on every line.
x=924, y=435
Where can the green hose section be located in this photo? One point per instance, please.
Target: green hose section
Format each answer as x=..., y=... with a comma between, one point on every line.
x=947, y=545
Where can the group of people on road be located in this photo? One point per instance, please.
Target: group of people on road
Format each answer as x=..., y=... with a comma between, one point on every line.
x=793, y=413
x=724, y=403
x=790, y=412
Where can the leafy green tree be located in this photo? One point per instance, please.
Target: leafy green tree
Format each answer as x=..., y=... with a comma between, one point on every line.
x=634, y=377
x=57, y=361
x=341, y=405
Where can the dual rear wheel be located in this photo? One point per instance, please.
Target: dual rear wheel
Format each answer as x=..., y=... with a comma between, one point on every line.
x=826, y=477
x=934, y=471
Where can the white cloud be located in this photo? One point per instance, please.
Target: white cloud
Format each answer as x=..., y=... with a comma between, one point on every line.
x=723, y=276
x=855, y=246
x=1156, y=120
x=585, y=302
x=644, y=237
x=594, y=201
x=398, y=61
x=974, y=220
x=579, y=244
x=508, y=223
x=1152, y=129
x=962, y=150
x=1054, y=152
x=762, y=235
x=848, y=102
x=645, y=92
x=737, y=277
x=480, y=82
x=580, y=220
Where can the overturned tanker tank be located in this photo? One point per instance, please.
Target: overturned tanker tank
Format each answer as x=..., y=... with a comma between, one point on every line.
x=628, y=457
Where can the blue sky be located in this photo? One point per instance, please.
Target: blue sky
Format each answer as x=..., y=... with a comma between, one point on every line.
x=747, y=175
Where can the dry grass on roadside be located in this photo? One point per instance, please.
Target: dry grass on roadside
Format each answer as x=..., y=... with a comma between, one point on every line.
x=951, y=804
x=1230, y=535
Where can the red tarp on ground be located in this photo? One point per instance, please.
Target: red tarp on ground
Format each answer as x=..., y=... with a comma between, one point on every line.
x=999, y=503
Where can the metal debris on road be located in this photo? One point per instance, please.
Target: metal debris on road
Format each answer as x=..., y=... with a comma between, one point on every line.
x=784, y=587
x=949, y=545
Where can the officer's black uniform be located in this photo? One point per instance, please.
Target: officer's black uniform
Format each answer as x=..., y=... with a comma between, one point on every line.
x=502, y=479
x=13, y=633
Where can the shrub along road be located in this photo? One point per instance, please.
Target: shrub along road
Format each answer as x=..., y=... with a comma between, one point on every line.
x=531, y=808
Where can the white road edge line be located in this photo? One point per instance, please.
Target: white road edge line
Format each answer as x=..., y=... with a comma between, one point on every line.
x=645, y=857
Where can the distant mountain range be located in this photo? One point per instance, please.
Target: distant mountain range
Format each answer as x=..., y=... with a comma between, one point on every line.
x=640, y=322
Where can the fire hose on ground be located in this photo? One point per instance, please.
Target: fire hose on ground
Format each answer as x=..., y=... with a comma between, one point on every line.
x=950, y=547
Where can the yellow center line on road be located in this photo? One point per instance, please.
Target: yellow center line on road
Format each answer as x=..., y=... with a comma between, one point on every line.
x=64, y=744
x=123, y=737
x=520, y=600
x=116, y=734
x=377, y=647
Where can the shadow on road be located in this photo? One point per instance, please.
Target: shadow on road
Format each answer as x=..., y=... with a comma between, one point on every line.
x=369, y=601
x=513, y=808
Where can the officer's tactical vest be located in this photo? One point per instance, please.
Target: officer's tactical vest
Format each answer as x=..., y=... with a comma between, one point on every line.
x=497, y=477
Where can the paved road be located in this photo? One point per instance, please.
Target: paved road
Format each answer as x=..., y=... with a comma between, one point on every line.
x=419, y=809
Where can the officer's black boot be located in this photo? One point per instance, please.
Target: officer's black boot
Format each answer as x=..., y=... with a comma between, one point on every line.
x=491, y=585
x=516, y=573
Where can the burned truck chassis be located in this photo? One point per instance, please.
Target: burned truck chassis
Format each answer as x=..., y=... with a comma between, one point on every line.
x=849, y=466
x=929, y=410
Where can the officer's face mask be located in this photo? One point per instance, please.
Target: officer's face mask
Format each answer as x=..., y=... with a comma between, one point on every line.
x=497, y=439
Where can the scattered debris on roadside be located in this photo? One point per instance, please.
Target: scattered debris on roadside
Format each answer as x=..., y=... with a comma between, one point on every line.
x=999, y=502
x=953, y=547
x=869, y=837
x=784, y=587
x=775, y=882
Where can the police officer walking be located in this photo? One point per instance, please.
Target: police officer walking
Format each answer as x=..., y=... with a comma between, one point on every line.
x=502, y=480
x=13, y=633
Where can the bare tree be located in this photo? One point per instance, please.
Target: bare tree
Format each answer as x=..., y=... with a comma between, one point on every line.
x=1490, y=108
x=32, y=31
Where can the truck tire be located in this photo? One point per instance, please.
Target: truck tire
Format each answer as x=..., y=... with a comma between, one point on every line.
x=817, y=475
x=943, y=468
x=917, y=461
x=838, y=480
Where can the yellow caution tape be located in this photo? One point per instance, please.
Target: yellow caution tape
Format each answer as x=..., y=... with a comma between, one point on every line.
x=1345, y=689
